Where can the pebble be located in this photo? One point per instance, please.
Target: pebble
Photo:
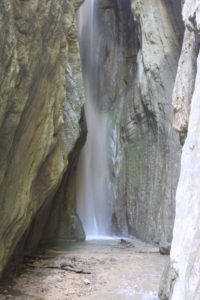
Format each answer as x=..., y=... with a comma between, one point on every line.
x=87, y=281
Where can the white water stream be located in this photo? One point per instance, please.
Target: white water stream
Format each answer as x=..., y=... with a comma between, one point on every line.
x=93, y=173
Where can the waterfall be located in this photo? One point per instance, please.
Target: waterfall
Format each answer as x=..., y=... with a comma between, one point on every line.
x=93, y=172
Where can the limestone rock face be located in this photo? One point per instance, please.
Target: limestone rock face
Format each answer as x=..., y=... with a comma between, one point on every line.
x=40, y=107
x=152, y=151
x=144, y=148
x=184, y=85
x=185, y=252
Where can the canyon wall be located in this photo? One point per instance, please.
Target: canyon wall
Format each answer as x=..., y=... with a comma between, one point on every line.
x=181, y=277
x=42, y=120
x=151, y=147
x=140, y=48
x=41, y=98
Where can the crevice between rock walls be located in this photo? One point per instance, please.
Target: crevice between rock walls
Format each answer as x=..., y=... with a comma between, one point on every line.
x=175, y=15
x=63, y=223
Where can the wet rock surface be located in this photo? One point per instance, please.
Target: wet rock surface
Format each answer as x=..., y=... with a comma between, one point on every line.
x=143, y=53
x=128, y=273
x=152, y=149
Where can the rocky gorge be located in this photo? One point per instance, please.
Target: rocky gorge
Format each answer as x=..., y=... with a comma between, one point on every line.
x=145, y=79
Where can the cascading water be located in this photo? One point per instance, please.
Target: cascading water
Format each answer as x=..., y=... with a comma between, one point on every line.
x=93, y=174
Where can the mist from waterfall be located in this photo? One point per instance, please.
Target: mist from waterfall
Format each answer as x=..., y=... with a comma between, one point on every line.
x=93, y=174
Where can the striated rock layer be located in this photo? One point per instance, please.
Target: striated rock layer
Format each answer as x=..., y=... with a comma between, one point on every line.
x=140, y=51
x=181, y=278
x=41, y=99
x=152, y=148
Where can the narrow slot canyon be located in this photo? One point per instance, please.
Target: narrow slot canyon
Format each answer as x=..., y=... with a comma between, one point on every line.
x=99, y=149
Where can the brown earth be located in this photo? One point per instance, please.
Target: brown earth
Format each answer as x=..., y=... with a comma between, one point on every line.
x=119, y=270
